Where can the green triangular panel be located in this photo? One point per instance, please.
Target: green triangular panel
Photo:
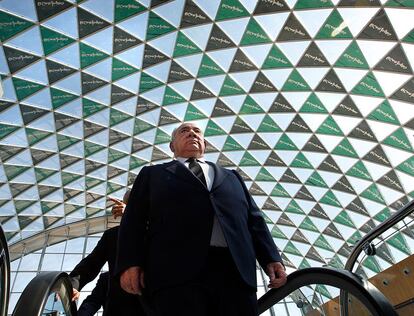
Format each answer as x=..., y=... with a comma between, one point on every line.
x=398, y=241
x=42, y=173
x=230, y=87
x=360, y=171
x=161, y=137
x=354, y=238
x=268, y=126
x=399, y=140
x=213, y=129
x=91, y=107
x=383, y=215
x=90, y=55
x=264, y=175
x=193, y=113
x=276, y=59
x=295, y=82
x=294, y=207
x=25, y=88
x=321, y=242
x=330, y=198
x=369, y=86
x=116, y=117
x=399, y=3
x=209, y=68
x=409, y=38
x=157, y=26
x=307, y=224
x=248, y=160
x=334, y=27
x=301, y=161
x=13, y=171
x=65, y=141
x=52, y=40
x=148, y=82
x=126, y=8
x=372, y=264
x=372, y=193
x=344, y=219
x=352, y=57
x=384, y=113
x=114, y=155
x=250, y=106
x=345, y=148
x=323, y=291
x=231, y=9
x=136, y=162
x=184, y=46
x=121, y=69
x=313, y=105
x=277, y=233
x=141, y=126
x=285, y=143
x=6, y=130
x=91, y=148
x=12, y=25
x=407, y=166
x=68, y=177
x=171, y=97
x=290, y=248
x=278, y=190
x=312, y=4
x=330, y=127
x=35, y=135
x=60, y=97
x=316, y=180
x=254, y=34
x=231, y=144
x=304, y=264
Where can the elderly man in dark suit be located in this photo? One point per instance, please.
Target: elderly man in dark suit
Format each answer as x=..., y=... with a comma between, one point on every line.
x=195, y=232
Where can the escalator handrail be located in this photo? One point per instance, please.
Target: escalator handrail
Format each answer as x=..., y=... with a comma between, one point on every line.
x=34, y=297
x=5, y=273
x=367, y=293
x=377, y=231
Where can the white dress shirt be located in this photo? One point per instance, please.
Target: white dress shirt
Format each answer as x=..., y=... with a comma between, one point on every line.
x=217, y=236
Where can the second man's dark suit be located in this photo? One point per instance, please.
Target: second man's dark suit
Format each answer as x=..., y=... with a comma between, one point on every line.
x=118, y=302
x=167, y=225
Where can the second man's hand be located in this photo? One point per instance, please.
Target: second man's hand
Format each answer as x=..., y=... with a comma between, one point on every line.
x=277, y=274
x=132, y=280
x=118, y=207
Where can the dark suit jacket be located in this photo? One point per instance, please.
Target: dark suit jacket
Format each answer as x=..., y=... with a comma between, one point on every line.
x=119, y=302
x=166, y=227
x=97, y=298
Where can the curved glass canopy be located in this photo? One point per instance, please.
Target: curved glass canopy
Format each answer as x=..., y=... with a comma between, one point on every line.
x=311, y=100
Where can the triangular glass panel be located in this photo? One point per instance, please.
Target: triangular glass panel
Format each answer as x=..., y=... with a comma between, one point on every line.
x=60, y=97
x=304, y=194
x=285, y=143
x=240, y=126
x=152, y=57
x=208, y=67
x=293, y=30
x=91, y=107
x=407, y=166
x=250, y=106
x=384, y=113
x=221, y=109
x=193, y=15
x=369, y=86
x=360, y=171
x=116, y=117
x=313, y=105
x=295, y=82
x=218, y=39
x=313, y=4
x=53, y=41
x=167, y=118
x=118, y=94
x=276, y=59
x=6, y=130
x=157, y=26
x=229, y=9
x=18, y=59
x=359, y=3
x=343, y=185
x=184, y=46
x=25, y=88
x=258, y=144
x=391, y=180
x=30, y=113
x=262, y=84
x=399, y=140
x=363, y=131
x=230, y=87
x=127, y=8
x=344, y=148
x=352, y=57
x=90, y=55
x=331, y=83
x=298, y=125
x=330, y=199
x=289, y=177
x=405, y=93
x=347, y=107
x=178, y=73
x=314, y=145
x=57, y=71
x=409, y=38
x=148, y=82
x=12, y=25
x=90, y=83
x=123, y=40
x=379, y=28
x=254, y=34
x=34, y=135
x=266, y=7
x=193, y=113
x=89, y=23
x=281, y=105
x=264, y=175
x=274, y=160
x=231, y=145
x=300, y=161
x=330, y=127
x=377, y=155
x=121, y=69
x=268, y=126
x=294, y=208
x=330, y=165
x=241, y=63
x=213, y=129
x=141, y=126
x=316, y=180
x=62, y=121
x=313, y=57
x=200, y=92
x=334, y=28
x=47, y=9
x=395, y=61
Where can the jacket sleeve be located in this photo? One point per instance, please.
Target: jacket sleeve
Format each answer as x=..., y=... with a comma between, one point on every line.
x=97, y=298
x=265, y=248
x=134, y=224
x=90, y=266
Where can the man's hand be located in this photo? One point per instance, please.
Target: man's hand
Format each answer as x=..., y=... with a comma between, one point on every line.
x=277, y=274
x=132, y=280
x=75, y=294
x=118, y=208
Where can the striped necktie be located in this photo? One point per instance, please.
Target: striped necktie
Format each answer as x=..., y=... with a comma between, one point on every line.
x=195, y=168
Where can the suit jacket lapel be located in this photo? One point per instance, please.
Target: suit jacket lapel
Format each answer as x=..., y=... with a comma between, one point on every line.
x=219, y=175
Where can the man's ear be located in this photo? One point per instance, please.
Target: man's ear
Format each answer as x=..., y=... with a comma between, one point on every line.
x=172, y=146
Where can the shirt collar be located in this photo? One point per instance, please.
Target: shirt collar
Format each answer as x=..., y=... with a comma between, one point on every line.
x=183, y=160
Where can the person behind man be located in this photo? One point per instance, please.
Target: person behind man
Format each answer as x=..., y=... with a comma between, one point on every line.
x=94, y=301
x=118, y=302
x=194, y=230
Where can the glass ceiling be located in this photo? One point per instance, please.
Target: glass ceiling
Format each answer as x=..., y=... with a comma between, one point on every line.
x=311, y=100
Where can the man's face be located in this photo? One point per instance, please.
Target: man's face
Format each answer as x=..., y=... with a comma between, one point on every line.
x=188, y=141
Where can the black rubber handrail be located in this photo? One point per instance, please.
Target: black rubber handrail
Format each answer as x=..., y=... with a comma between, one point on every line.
x=376, y=303
x=5, y=274
x=34, y=297
x=377, y=231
